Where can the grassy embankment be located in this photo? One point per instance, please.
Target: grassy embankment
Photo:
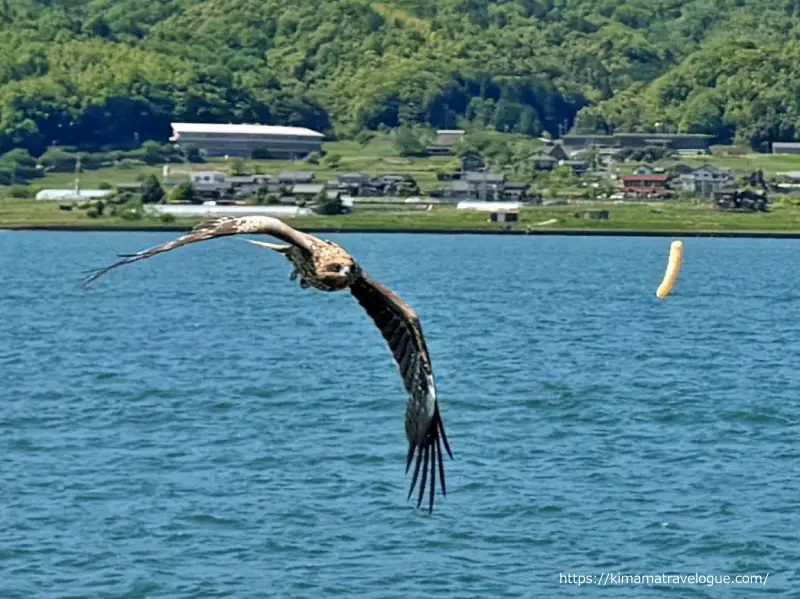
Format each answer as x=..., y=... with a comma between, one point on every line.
x=378, y=158
x=669, y=218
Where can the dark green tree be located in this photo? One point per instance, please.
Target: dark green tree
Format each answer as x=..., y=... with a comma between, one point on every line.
x=185, y=194
x=407, y=143
x=152, y=192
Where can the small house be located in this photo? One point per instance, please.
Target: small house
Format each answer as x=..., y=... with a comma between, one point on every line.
x=707, y=179
x=456, y=190
x=485, y=177
x=446, y=140
x=291, y=177
x=486, y=184
x=249, y=185
x=307, y=191
x=355, y=179
x=779, y=147
x=504, y=216
x=578, y=167
x=210, y=184
x=557, y=151
x=449, y=137
x=790, y=176
x=515, y=191
x=471, y=161
x=543, y=162
x=593, y=215
x=653, y=184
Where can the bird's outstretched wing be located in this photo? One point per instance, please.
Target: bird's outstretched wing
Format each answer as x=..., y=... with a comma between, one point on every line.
x=217, y=227
x=400, y=326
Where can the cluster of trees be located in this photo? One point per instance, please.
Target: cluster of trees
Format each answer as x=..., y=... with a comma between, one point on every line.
x=19, y=167
x=113, y=73
x=741, y=91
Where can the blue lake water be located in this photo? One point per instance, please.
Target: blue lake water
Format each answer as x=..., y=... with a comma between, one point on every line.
x=196, y=426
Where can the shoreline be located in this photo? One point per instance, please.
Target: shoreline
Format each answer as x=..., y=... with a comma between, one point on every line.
x=436, y=231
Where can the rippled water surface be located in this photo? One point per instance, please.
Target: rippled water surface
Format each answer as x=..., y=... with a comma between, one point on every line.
x=196, y=426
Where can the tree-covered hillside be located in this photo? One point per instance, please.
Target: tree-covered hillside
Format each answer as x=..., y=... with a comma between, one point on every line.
x=115, y=72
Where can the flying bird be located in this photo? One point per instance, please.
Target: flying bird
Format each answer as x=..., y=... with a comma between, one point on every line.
x=324, y=265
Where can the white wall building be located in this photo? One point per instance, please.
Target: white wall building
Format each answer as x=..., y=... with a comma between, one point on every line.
x=53, y=195
x=489, y=206
x=242, y=140
x=213, y=210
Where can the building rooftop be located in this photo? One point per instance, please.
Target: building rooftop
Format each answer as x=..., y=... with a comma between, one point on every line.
x=308, y=187
x=449, y=137
x=653, y=177
x=488, y=177
x=242, y=129
x=244, y=179
x=296, y=176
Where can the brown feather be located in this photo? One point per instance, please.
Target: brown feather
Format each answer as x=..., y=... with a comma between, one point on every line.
x=402, y=330
x=211, y=229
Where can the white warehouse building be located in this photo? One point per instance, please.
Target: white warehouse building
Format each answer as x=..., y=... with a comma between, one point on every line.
x=265, y=141
x=211, y=210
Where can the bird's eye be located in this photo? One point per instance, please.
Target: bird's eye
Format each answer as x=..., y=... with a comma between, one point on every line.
x=334, y=267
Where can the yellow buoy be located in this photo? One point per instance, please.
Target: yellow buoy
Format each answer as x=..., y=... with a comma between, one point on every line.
x=673, y=266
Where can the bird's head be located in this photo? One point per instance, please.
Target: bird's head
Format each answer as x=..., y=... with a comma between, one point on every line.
x=336, y=268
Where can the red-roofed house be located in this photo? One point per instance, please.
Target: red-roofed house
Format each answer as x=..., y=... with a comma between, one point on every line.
x=651, y=184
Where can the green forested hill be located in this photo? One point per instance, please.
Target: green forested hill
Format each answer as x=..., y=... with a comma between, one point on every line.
x=98, y=72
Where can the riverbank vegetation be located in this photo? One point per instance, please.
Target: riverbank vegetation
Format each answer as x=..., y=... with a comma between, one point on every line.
x=652, y=217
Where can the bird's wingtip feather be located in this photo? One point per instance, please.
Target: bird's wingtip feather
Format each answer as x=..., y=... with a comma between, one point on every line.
x=430, y=450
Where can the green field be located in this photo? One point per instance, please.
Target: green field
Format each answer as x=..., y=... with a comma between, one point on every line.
x=669, y=217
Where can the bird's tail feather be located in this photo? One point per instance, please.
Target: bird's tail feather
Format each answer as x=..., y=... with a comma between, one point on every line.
x=429, y=450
